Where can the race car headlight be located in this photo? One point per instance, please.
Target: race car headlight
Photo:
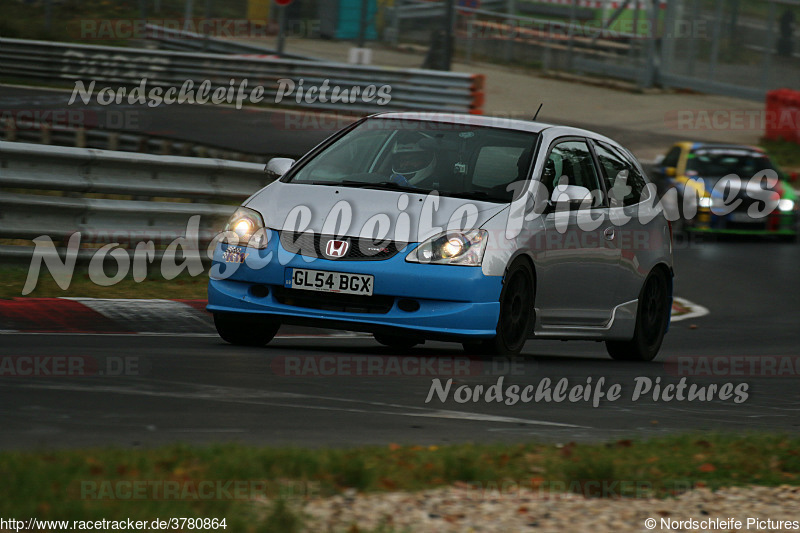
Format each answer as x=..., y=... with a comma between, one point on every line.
x=452, y=248
x=246, y=227
x=705, y=201
x=786, y=205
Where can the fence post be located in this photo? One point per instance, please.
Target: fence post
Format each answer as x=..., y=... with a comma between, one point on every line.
x=767, y=65
x=636, y=9
x=571, y=32
x=712, y=65
x=470, y=43
x=692, y=53
x=394, y=33
x=668, y=39
x=650, y=71
x=510, y=22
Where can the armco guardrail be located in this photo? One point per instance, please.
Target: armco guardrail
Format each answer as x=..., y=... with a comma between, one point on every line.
x=125, y=141
x=425, y=9
x=172, y=39
x=414, y=89
x=73, y=178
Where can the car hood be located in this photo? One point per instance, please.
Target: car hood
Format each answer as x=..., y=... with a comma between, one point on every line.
x=322, y=208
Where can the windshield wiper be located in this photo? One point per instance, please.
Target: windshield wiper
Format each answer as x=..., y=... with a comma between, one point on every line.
x=382, y=185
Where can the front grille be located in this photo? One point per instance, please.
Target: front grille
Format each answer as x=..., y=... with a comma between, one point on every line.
x=326, y=301
x=359, y=249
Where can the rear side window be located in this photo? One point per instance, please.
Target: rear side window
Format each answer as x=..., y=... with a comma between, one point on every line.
x=625, y=184
x=572, y=161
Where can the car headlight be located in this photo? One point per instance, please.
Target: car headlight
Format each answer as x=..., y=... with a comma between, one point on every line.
x=248, y=227
x=786, y=204
x=705, y=201
x=452, y=248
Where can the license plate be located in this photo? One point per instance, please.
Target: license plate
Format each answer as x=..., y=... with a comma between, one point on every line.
x=743, y=217
x=320, y=280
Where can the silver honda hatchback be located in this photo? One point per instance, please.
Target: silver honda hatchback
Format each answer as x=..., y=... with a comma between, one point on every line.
x=483, y=231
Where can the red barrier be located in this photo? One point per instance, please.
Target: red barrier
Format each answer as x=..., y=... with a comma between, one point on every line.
x=783, y=115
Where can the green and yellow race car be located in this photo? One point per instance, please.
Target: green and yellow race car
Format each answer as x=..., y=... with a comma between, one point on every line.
x=726, y=188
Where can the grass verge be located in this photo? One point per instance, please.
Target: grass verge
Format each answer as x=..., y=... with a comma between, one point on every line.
x=185, y=286
x=260, y=489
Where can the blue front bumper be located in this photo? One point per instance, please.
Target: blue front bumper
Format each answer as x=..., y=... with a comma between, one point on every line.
x=454, y=301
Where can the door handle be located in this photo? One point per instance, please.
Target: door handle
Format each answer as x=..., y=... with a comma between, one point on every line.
x=609, y=234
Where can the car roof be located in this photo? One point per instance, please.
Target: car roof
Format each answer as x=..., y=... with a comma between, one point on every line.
x=469, y=120
x=723, y=146
x=497, y=122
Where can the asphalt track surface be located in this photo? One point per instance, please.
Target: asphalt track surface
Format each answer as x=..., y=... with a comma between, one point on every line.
x=195, y=388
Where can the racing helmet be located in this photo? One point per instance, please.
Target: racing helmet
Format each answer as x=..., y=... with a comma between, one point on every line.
x=413, y=161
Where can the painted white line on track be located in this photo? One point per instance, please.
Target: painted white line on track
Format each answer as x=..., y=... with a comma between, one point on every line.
x=254, y=397
x=695, y=311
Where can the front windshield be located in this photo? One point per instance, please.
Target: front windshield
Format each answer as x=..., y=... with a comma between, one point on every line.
x=722, y=162
x=423, y=156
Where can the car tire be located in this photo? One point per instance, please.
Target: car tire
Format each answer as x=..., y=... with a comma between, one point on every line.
x=652, y=319
x=245, y=330
x=516, y=314
x=397, y=341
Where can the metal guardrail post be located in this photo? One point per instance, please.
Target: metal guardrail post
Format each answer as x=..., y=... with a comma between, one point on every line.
x=46, y=132
x=80, y=138
x=10, y=129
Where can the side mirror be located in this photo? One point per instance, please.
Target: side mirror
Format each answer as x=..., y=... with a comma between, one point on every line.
x=575, y=195
x=670, y=172
x=278, y=166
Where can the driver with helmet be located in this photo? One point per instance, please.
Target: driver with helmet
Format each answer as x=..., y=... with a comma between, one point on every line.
x=412, y=162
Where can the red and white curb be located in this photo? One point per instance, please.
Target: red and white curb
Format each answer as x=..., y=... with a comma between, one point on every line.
x=156, y=317
x=100, y=315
